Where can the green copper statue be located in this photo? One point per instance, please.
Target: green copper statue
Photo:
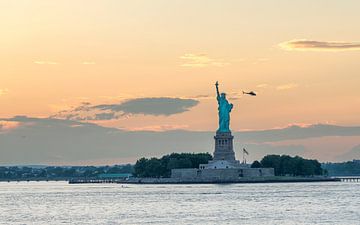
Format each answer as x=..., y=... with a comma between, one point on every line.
x=224, y=108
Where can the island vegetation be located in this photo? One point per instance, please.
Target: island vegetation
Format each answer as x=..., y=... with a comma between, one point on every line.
x=161, y=167
x=285, y=165
x=350, y=168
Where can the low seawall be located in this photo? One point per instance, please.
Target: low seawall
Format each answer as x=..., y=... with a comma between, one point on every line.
x=274, y=179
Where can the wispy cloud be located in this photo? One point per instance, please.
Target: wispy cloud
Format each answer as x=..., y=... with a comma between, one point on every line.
x=260, y=60
x=88, y=63
x=286, y=86
x=239, y=60
x=235, y=95
x=302, y=125
x=262, y=85
x=4, y=91
x=159, y=128
x=202, y=96
x=311, y=45
x=46, y=62
x=201, y=60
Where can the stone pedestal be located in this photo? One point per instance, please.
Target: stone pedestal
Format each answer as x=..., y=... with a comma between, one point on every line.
x=224, y=147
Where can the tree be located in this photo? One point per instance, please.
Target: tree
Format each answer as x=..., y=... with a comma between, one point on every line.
x=153, y=168
x=256, y=164
x=285, y=165
x=140, y=166
x=272, y=161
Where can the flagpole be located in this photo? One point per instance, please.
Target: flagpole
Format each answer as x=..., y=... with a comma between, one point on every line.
x=244, y=152
x=243, y=156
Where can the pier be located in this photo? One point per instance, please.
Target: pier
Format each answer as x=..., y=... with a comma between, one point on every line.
x=349, y=179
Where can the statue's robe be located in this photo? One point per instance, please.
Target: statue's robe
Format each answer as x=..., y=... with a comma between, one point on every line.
x=224, y=108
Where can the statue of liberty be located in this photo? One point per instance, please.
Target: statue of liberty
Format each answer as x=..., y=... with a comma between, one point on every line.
x=224, y=108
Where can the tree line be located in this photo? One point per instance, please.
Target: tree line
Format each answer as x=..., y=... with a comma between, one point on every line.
x=60, y=173
x=161, y=167
x=350, y=168
x=285, y=165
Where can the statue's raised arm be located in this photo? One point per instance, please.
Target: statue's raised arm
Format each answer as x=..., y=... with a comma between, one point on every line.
x=217, y=90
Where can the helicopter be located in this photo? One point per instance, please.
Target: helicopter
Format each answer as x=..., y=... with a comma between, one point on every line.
x=249, y=93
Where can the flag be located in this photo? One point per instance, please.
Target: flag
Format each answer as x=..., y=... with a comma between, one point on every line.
x=246, y=152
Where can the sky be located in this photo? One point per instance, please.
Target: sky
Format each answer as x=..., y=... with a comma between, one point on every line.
x=151, y=66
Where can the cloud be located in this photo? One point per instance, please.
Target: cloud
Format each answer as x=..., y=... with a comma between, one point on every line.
x=261, y=60
x=152, y=106
x=203, y=96
x=162, y=106
x=296, y=132
x=302, y=125
x=8, y=125
x=286, y=86
x=56, y=141
x=309, y=45
x=235, y=95
x=353, y=153
x=105, y=116
x=88, y=63
x=238, y=60
x=46, y=62
x=201, y=60
x=262, y=85
x=160, y=128
x=3, y=91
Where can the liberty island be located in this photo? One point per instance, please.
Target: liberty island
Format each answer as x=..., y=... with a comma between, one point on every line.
x=224, y=167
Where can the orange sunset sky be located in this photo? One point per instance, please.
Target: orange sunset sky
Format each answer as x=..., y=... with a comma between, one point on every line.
x=57, y=54
x=301, y=57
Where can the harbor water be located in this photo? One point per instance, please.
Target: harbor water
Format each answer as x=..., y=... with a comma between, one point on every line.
x=271, y=203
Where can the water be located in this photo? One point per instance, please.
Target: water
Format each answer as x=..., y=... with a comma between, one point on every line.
x=284, y=203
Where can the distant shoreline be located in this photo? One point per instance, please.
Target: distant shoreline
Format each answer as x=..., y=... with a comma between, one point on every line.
x=33, y=180
x=276, y=179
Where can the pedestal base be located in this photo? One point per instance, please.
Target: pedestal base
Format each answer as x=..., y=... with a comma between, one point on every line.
x=224, y=147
